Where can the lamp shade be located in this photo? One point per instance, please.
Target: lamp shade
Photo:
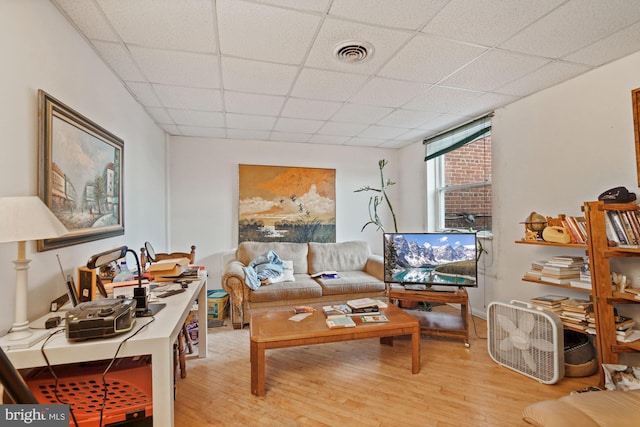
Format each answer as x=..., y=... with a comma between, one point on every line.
x=27, y=218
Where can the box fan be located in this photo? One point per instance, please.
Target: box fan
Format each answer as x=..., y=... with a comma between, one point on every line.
x=526, y=340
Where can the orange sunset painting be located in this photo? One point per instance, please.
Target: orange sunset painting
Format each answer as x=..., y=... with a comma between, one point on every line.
x=286, y=204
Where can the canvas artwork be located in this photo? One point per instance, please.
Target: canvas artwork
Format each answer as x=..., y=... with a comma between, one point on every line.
x=286, y=204
x=80, y=175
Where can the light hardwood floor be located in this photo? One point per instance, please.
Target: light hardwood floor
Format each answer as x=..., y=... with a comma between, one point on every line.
x=359, y=383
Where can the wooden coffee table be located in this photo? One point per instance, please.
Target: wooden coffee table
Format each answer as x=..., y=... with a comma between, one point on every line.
x=273, y=329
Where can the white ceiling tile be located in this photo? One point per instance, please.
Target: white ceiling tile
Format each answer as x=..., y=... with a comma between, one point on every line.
x=310, y=109
x=197, y=118
x=289, y=137
x=252, y=122
x=342, y=129
x=394, y=143
x=486, y=22
x=178, y=68
x=493, y=70
x=328, y=139
x=88, y=19
x=407, y=118
x=188, y=98
x=327, y=85
x=410, y=14
x=159, y=115
x=483, y=104
x=248, y=134
x=444, y=122
x=205, y=132
x=251, y=103
x=144, y=93
x=429, y=60
x=254, y=76
x=382, y=132
x=549, y=75
x=298, y=125
x=310, y=5
x=357, y=113
x=387, y=93
x=385, y=42
x=118, y=58
x=170, y=129
x=413, y=135
x=573, y=26
x=365, y=142
x=439, y=99
x=616, y=46
x=167, y=24
x=262, y=32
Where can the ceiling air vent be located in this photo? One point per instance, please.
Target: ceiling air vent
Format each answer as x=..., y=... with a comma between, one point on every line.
x=353, y=51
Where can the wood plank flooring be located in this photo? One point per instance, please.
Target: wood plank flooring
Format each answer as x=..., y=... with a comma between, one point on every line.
x=359, y=383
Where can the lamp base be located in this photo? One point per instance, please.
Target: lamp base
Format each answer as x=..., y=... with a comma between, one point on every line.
x=23, y=339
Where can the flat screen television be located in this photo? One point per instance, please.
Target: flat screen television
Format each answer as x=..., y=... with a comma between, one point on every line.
x=423, y=260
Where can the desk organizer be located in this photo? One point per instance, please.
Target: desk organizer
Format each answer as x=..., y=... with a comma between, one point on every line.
x=129, y=394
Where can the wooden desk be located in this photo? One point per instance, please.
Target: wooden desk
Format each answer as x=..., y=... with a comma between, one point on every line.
x=271, y=329
x=449, y=325
x=156, y=340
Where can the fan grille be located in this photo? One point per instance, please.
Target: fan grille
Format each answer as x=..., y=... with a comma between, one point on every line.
x=526, y=341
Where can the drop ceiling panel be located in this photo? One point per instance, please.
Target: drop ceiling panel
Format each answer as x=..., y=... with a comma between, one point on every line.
x=178, y=68
x=382, y=132
x=617, y=45
x=440, y=99
x=329, y=139
x=406, y=118
x=308, y=5
x=327, y=85
x=160, y=115
x=248, y=134
x=289, y=137
x=197, y=118
x=410, y=14
x=342, y=129
x=298, y=125
x=202, y=131
x=167, y=24
x=88, y=19
x=429, y=60
x=549, y=75
x=119, y=59
x=144, y=93
x=251, y=122
x=187, y=98
x=487, y=22
x=310, y=109
x=251, y=103
x=365, y=142
x=358, y=113
x=247, y=30
x=260, y=77
x=387, y=92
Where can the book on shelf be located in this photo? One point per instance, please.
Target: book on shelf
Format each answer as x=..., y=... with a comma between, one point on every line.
x=549, y=299
x=612, y=235
x=582, y=284
x=617, y=226
x=340, y=322
x=336, y=310
x=374, y=318
x=576, y=304
x=557, y=280
x=633, y=336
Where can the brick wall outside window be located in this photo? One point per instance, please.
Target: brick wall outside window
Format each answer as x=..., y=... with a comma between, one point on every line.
x=469, y=164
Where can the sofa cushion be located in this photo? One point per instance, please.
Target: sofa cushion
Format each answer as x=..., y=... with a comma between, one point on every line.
x=350, y=282
x=343, y=256
x=303, y=287
x=296, y=252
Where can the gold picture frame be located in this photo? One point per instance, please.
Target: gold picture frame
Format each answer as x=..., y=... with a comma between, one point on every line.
x=80, y=174
x=635, y=99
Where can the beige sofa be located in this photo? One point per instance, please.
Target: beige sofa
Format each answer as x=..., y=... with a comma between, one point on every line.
x=611, y=408
x=360, y=275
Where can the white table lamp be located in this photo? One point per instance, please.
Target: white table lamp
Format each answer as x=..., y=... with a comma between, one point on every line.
x=23, y=219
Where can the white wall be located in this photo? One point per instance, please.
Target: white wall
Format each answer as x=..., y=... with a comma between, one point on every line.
x=41, y=50
x=204, y=190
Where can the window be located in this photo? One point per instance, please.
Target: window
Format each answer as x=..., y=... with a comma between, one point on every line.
x=461, y=189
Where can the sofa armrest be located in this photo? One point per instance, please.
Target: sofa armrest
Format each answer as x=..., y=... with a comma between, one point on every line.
x=375, y=266
x=233, y=283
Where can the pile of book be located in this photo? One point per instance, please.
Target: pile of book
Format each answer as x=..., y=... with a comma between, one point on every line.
x=340, y=315
x=550, y=303
x=575, y=313
x=535, y=272
x=562, y=269
x=584, y=281
x=624, y=329
x=623, y=228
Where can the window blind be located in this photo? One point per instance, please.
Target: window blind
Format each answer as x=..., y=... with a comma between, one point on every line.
x=454, y=138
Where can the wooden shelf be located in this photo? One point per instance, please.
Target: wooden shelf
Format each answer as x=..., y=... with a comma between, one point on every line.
x=557, y=285
x=543, y=243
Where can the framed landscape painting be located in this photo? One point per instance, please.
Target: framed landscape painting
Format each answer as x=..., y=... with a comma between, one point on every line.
x=80, y=174
x=286, y=204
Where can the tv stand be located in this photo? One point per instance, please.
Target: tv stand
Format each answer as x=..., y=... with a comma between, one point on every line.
x=436, y=324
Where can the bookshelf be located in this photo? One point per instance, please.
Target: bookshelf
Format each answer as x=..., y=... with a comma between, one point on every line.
x=605, y=298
